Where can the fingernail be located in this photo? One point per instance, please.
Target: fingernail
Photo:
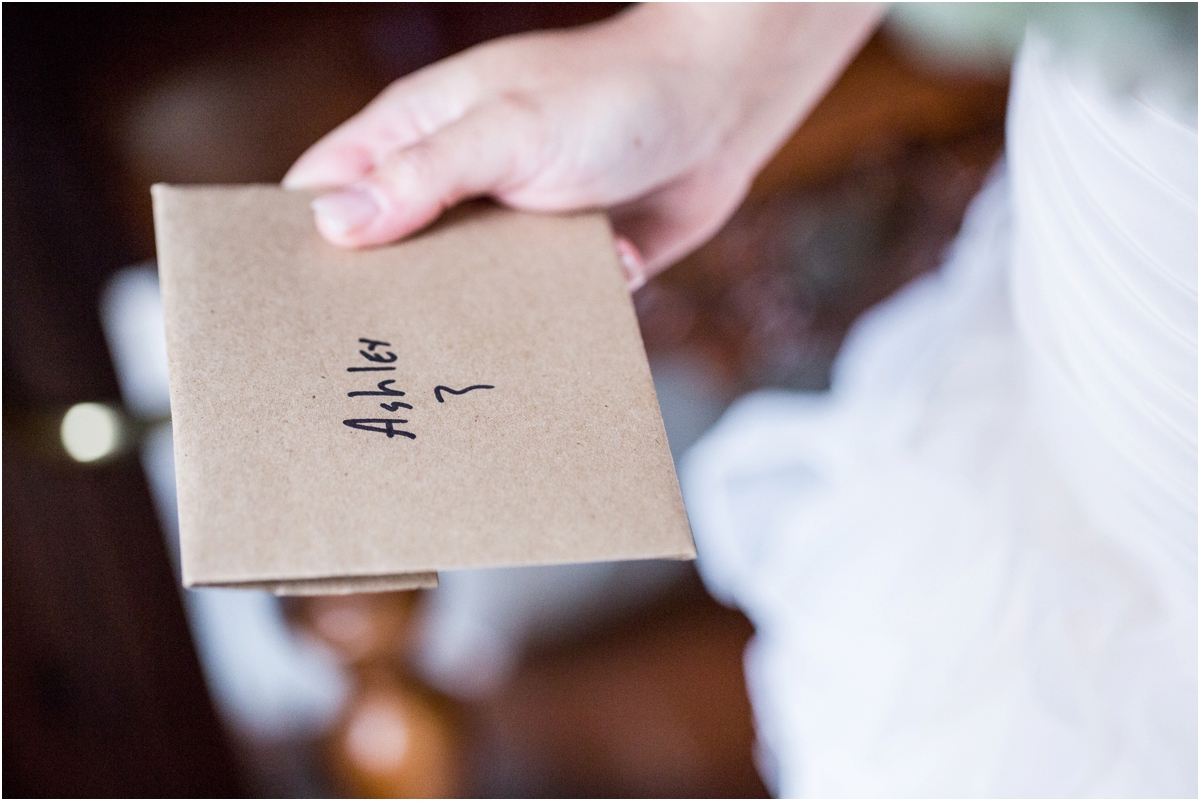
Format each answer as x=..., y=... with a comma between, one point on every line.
x=347, y=210
x=635, y=270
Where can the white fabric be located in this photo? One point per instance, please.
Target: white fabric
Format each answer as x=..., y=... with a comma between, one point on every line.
x=972, y=564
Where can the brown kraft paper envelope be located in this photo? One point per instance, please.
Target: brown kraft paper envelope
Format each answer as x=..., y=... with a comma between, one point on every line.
x=347, y=421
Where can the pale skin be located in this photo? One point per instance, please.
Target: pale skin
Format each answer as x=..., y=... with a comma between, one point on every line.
x=662, y=116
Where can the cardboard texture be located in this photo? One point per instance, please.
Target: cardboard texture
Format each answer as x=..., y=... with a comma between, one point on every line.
x=475, y=396
x=341, y=586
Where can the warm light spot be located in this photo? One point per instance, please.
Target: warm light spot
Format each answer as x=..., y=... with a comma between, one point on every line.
x=90, y=431
x=344, y=625
x=378, y=736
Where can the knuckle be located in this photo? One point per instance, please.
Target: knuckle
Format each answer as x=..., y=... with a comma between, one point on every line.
x=523, y=118
x=521, y=110
x=409, y=170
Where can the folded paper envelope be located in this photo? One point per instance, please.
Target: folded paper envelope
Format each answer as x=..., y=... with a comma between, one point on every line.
x=475, y=396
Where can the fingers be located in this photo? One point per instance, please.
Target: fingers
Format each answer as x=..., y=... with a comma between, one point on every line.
x=410, y=109
x=330, y=164
x=489, y=150
x=632, y=262
x=671, y=222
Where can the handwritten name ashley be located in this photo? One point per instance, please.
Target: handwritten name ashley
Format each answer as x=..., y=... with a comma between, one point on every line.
x=382, y=361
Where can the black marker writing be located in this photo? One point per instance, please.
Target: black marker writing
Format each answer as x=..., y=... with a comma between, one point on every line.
x=383, y=390
x=438, y=390
x=379, y=357
x=383, y=425
x=388, y=426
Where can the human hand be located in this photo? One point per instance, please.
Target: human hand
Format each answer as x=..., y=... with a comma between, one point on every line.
x=662, y=115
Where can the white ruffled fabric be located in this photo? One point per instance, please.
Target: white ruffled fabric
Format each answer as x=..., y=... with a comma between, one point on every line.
x=972, y=564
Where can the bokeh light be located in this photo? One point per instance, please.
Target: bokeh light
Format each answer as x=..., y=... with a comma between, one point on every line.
x=90, y=431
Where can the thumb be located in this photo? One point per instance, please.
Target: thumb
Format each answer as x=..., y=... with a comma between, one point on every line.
x=480, y=154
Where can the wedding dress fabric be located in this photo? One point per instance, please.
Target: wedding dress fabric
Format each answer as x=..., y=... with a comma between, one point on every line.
x=971, y=565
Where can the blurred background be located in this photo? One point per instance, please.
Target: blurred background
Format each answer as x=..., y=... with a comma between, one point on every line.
x=601, y=680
